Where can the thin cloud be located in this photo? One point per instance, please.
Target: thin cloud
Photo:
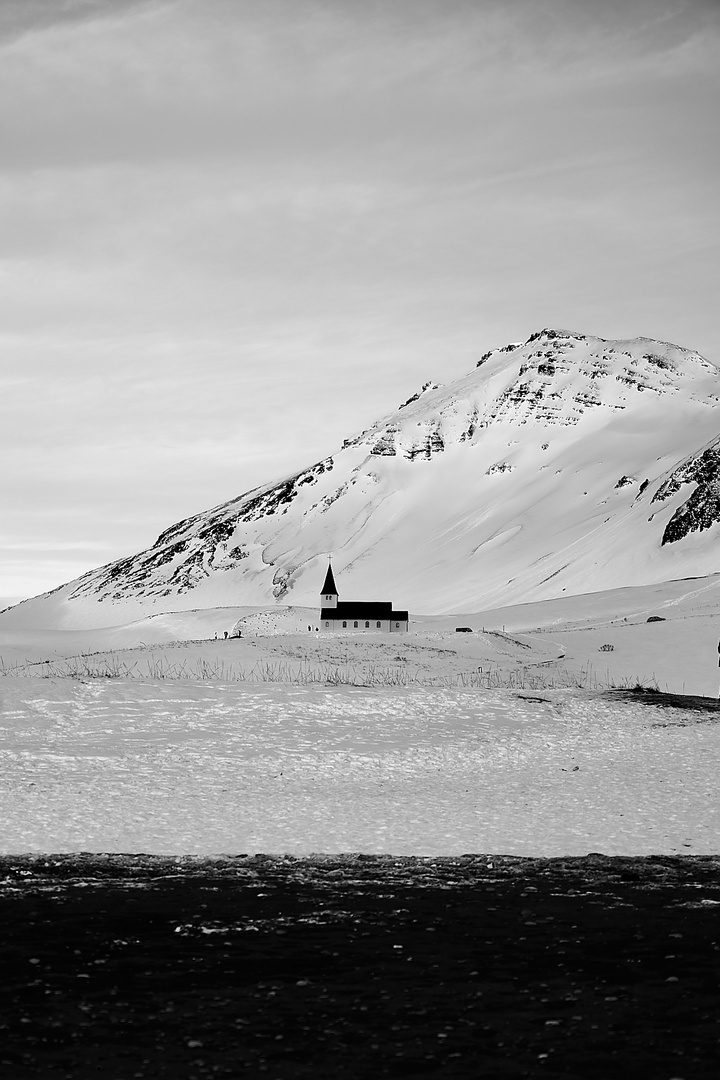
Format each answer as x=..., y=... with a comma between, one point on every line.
x=21, y=17
x=218, y=80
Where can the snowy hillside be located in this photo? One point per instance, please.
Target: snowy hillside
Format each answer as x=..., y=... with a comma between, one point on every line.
x=562, y=465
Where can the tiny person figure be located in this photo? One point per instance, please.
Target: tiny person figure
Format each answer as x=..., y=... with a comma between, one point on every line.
x=226, y=633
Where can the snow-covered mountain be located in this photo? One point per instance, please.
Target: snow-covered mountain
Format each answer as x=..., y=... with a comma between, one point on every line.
x=561, y=465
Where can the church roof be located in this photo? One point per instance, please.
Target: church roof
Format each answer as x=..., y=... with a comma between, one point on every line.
x=329, y=588
x=363, y=609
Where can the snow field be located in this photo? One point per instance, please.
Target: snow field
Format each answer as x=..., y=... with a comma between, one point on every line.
x=197, y=767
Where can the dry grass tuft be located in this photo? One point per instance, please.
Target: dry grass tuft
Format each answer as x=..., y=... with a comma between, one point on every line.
x=111, y=665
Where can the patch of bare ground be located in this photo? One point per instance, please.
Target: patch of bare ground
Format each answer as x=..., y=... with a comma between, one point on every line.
x=362, y=966
x=685, y=702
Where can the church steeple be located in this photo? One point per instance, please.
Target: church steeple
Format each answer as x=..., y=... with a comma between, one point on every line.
x=329, y=593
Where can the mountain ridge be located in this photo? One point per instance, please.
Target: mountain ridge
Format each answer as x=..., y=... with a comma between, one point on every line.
x=559, y=463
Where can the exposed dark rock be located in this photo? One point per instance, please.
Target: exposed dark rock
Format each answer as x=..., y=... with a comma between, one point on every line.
x=702, y=509
x=659, y=362
x=552, y=335
x=385, y=446
x=433, y=443
x=238, y=553
x=214, y=532
x=282, y=581
x=192, y=570
x=472, y=425
x=587, y=398
x=421, y=391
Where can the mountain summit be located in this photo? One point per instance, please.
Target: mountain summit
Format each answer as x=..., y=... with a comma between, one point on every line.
x=560, y=465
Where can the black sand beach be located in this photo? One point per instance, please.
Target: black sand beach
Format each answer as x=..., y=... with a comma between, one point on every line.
x=144, y=966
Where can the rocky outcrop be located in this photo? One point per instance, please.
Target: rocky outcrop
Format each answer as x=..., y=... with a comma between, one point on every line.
x=416, y=397
x=431, y=443
x=385, y=446
x=702, y=509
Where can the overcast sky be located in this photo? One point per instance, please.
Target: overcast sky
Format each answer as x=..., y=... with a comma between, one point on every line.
x=234, y=232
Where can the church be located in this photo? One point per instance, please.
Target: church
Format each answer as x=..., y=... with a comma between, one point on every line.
x=357, y=616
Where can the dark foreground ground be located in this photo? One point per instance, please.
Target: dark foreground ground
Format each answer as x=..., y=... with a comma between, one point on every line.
x=359, y=966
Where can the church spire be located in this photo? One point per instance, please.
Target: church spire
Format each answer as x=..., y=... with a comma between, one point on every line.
x=329, y=591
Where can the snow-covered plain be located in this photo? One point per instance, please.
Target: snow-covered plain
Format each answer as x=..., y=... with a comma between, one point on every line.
x=196, y=767
x=501, y=741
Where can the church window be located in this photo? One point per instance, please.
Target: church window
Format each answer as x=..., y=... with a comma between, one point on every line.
x=355, y=624
x=367, y=625
x=397, y=625
x=344, y=625
x=378, y=625
x=327, y=623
